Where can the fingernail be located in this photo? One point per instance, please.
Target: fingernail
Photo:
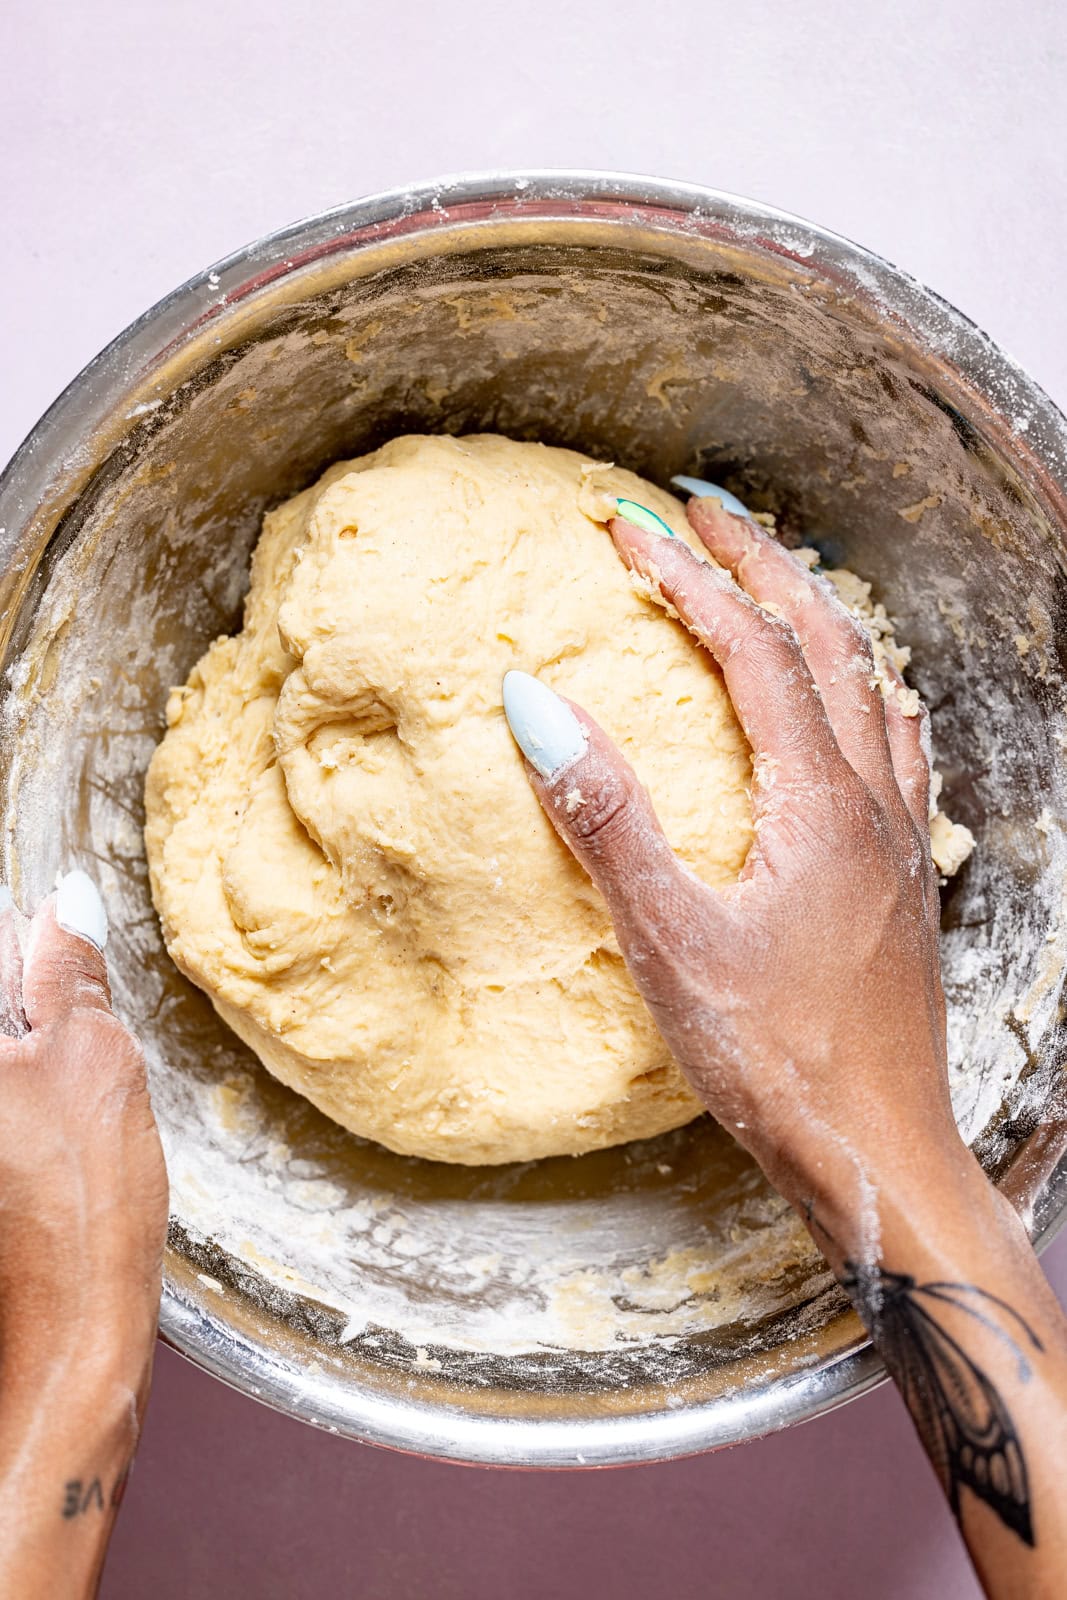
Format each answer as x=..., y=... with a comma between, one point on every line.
x=79, y=908
x=6, y=902
x=546, y=731
x=642, y=517
x=705, y=490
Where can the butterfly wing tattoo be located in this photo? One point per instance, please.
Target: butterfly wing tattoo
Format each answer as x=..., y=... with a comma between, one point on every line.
x=962, y=1419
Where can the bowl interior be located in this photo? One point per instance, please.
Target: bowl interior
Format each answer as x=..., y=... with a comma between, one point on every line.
x=429, y=1305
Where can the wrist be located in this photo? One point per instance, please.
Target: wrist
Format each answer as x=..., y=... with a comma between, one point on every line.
x=895, y=1199
x=94, y=1302
x=66, y=1445
x=73, y=1401
x=72, y=1393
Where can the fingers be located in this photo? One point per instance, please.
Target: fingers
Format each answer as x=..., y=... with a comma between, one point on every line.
x=836, y=646
x=908, y=728
x=768, y=680
x=599, y=809
x=12, y=1016
x=64, y=966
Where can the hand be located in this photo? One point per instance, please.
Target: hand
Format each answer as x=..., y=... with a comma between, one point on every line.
x=83, y=1213
x=804, y=1004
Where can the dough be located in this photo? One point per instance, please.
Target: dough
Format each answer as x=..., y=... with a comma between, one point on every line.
x=344, y=849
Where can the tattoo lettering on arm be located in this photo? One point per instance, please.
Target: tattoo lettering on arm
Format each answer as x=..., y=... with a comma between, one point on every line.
x=961, y=1416
x=81, y=1497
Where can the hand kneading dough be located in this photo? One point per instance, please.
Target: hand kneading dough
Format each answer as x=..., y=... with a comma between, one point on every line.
x=344, y=849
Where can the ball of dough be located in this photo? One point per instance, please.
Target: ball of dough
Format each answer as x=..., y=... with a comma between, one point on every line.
x=344, y=849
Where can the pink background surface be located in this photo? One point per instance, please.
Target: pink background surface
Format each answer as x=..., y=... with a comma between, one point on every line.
x=139, y=143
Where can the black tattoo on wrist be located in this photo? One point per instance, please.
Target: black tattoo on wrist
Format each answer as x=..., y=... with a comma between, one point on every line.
x=961, y=1417
x=82, y=1496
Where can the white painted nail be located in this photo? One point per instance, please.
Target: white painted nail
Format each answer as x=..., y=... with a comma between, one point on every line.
x=79, y=908
x=703, y=490
x=6, y=902
x=546, y=731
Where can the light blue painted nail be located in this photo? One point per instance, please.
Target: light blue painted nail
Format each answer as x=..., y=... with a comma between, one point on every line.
x=79, y=908
x=642, y=517
x=6, y=902
x=546, y=731
x=705, y=490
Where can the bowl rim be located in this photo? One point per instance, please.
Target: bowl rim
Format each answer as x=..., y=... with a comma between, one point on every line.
x=48, y=466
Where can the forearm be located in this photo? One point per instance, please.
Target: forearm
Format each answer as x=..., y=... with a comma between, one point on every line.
x=940, y=1269
x=72, y=1398
x=84, y=1210
x=804, y=1003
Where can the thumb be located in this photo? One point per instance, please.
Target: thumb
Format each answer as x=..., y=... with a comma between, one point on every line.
x=600, y=810
x=63, y=966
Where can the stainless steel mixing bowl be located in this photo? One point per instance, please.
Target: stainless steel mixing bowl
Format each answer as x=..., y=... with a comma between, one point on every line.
x=643, y=1302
